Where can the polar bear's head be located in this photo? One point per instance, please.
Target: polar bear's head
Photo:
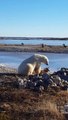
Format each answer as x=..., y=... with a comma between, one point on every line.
x=42, y=59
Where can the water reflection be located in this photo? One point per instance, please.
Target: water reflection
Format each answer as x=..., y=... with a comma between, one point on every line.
x=47, y=42
x=13, y=59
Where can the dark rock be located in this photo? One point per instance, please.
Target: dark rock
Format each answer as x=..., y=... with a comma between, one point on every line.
x=43, y=45
x=45, y=76
x=43, y=81
x=22, y=43
x=63, y=74
x=64, y=45
x=64, y=87
x=30, y=85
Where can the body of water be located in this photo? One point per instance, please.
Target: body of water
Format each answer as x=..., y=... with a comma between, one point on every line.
x=35, y=41
x=13, y=59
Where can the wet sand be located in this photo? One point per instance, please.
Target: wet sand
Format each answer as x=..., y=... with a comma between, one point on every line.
x=34, y=48
x=6, y=69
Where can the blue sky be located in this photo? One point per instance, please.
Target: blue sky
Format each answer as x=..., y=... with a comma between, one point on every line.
x=46, y=18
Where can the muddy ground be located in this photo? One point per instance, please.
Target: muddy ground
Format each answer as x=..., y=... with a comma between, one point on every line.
x=34, y=48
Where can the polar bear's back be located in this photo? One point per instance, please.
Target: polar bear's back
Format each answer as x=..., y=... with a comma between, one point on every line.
x=29, y=60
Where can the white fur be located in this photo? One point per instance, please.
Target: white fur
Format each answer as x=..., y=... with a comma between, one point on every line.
x=32, y=64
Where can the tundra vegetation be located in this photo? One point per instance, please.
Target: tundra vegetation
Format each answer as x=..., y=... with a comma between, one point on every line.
x=18, y=102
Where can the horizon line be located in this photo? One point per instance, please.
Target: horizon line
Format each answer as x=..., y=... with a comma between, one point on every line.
x=30, y=37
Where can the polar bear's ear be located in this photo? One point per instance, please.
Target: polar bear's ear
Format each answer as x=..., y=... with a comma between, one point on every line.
x=36, y=57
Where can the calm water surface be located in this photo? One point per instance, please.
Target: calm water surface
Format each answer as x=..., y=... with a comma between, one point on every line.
x=35, y=41
x=13, y=59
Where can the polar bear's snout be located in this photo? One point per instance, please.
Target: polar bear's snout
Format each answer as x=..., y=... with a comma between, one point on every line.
x=47, y=62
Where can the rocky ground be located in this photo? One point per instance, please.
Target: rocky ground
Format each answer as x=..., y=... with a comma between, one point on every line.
x=35, y=97
x=34, y=48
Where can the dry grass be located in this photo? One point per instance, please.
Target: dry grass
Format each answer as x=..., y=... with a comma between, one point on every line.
x=24, y=104
x=27, y=105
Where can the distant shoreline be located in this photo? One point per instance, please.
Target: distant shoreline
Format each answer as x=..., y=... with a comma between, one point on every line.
x=33, y=48
x=32, y=38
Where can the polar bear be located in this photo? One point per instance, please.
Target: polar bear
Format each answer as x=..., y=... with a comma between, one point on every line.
x=32, y=65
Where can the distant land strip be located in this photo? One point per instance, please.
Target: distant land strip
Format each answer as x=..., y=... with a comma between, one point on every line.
x=33, y=48
x=33, y=38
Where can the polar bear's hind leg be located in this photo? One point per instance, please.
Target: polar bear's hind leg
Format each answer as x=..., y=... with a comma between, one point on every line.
x=30, y=69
